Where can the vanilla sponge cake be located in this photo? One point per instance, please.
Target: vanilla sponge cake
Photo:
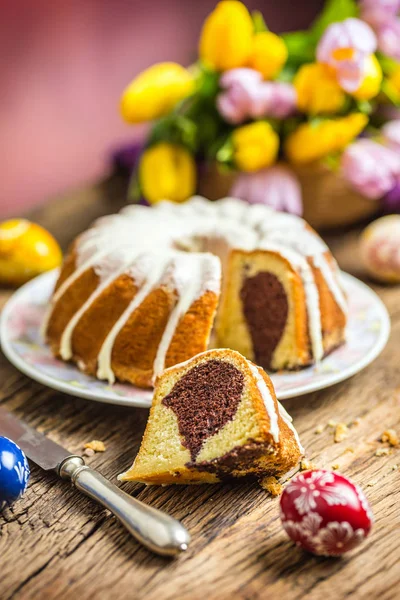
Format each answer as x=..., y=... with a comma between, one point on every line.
x=212, y=417
x=141, y=291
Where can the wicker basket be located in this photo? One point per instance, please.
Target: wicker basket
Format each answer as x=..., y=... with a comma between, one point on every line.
x=327, y=198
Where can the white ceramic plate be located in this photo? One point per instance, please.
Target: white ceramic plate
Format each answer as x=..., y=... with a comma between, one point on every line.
x=368, y=331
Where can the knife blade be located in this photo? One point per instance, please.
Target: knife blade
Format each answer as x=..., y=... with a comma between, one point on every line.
x=156, y=530
x=40, y=449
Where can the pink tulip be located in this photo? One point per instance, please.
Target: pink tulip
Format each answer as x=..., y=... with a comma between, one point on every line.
x=376, y=12
x=376, y=16
x=276, y=187
x=390, y=6
x=372, y=169
x=391, y=133
x=247, y=96
x=345, y=46
x=240, y=92
x=275, y=99
x=388, y=35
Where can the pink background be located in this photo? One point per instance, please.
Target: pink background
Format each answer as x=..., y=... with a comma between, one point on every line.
x=63, y=66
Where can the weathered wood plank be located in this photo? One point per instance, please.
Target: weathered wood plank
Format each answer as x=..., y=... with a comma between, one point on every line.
x=55, y=543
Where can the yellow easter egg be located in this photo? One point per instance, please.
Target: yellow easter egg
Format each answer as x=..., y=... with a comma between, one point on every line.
x=26, y=250
x=380, y=249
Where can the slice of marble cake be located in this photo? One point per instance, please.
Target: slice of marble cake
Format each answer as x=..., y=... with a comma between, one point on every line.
x=214, y=416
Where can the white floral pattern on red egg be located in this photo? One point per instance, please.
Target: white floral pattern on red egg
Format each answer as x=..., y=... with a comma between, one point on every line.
x=303, y=533
x=311, y=523
x=299, y=535
x=325, y=513
x=312, y=488
x=337, y=538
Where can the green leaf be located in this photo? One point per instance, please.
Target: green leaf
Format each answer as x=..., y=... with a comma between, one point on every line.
x=221, y=150
x=364, y=106
x=390, y=93
x=334, y=11
x=175, y=129
x=207, y=82
x=348, y=106
x=388, y=65
x=287, y=73
x=332, y=161
x=301, y=48
x=315, y=121
x=289, y=125
x=225, y=152
x=258, y=21
x=134, y=191
x=209, y=126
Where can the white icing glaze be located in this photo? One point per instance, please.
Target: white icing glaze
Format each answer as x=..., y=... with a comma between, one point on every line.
x=300, y=263
x=65, y=344
x=313, y=311
x=289, y=422
x=126, y=243
x=268, y=402
x=332, y=281
x=189, y=285
x=187, y=281
x=154, y=277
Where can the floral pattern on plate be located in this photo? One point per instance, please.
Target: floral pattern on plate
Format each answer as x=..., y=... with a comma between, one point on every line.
x=22, y=343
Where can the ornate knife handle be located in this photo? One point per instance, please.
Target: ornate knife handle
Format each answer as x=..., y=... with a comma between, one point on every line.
x=151, y=527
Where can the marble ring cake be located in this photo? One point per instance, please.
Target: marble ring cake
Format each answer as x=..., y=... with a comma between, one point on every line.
x=140, y=290
x=212, y=417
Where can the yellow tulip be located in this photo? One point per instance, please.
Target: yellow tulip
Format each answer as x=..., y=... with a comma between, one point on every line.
x=393, y=83
x=348, y=128
x=314, y=141
x=226, y=37
x=167, y=172
x=26, y=250
x=317, y=90
x=268, y=55
x=372, y=82
x=255, y=146
x=155, y=92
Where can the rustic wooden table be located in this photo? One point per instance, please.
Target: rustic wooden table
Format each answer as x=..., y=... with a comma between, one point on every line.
x=55, y=543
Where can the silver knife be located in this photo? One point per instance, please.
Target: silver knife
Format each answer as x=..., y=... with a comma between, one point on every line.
x=153, y=528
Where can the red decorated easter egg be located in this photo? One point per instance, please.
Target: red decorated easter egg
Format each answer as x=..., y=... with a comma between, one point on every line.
x=325, y=513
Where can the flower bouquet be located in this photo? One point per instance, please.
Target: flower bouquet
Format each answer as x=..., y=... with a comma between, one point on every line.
x=298, y=121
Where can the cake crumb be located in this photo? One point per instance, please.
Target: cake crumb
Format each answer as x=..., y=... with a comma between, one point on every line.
x=372, y=483
x=382, y=452
x=271, y=485
x=319, y=428
x=341, y=432
x=336, y=466
x=395, y=467
x=332, y=423
x=307, y=465
x=356, y=422
x=350, y=449
x=88, y=452
x=95, y=445
x=390, y=436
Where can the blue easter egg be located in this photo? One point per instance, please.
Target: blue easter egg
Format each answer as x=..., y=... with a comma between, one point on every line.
x=14, y=472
